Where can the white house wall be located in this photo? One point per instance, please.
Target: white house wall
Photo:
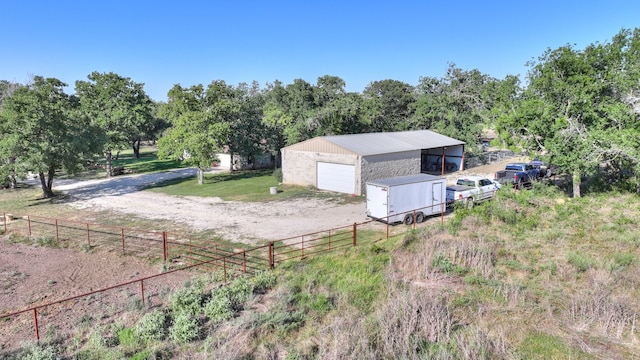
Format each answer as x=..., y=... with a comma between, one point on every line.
x=300, y=167
x=241, y=163
x=383, y=166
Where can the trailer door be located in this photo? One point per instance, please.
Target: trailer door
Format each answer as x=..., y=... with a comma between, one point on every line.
x=377, y=201
x=437, y=201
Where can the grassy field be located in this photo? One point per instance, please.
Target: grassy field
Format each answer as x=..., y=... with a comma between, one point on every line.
x=250, y=185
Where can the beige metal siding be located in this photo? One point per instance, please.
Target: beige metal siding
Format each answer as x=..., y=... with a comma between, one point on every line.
x=300, y=167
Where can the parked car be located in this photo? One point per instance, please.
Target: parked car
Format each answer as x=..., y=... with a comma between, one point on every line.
x=518, y=175
x=471, y=190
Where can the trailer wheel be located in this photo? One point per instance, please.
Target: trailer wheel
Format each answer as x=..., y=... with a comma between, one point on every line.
x=469, y=203
x=408, y=219
x=419, y=218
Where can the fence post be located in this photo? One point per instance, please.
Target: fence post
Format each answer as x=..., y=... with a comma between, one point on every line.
x=329, y=240
x=224, y=268
x=57, y=232
x=244, y=261
x=387, y=226
x=142, y=290
x=414, y=219
x=122, y=233
x=35, y=323
x=270, y=255
x=302, y=253
x=355, y=236
x=442, y=213
x=29, y=221
x=88, y=236
x=164, y=246
x=4, y=220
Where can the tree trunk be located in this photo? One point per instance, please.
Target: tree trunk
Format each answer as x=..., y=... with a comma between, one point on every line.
x=136, y=148
x=200, y=176
x=13, y=182
x=576, y=184
x=108, y=162
x=46, y=186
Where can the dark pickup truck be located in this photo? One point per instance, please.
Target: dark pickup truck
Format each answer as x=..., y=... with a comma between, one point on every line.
x=518, y=175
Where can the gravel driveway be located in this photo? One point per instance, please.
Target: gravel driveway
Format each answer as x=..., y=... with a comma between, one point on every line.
x=234, y=221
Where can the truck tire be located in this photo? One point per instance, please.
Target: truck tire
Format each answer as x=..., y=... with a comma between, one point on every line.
x=419, y=218
x=469, y=203
x=408, y=219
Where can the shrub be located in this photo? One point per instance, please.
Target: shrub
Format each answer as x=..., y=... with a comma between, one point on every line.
x=263, y=281
x=33, y=351
x=46, y=240
x=623, y=260
x=240, y=291
x=186, y=300
x=128, y=338
x=152, y=326
x=219, y=307
x=185, y=328
x=581, y=262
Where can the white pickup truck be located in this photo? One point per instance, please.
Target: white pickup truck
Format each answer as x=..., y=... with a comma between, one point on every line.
x=471, y=189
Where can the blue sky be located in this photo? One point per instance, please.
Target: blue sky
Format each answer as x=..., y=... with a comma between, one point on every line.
x=162, y=43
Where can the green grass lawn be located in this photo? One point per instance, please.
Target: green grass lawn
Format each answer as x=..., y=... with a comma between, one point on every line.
x=147, y=162
x=250, y=185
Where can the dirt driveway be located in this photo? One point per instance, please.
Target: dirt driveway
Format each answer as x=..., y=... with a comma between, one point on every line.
x=234, y=221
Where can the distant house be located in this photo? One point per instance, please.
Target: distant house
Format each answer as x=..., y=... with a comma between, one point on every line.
x=262, y=161
x=259, y=161
x=344, y=163
x=487, y=137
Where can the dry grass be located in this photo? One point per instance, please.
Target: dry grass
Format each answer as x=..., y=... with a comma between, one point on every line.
x=532, y=275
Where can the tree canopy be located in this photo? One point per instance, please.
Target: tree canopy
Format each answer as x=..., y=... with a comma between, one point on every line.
x=41, y=131
x=118, y=106
x=200, y=124
x=579, y=109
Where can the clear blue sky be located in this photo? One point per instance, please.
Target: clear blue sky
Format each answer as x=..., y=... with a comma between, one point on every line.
x=162, y=43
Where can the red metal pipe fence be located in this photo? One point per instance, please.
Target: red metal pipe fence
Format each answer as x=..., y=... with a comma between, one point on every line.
x=173, y=246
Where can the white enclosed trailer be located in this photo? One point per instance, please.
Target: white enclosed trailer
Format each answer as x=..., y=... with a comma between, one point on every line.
x=397, y=199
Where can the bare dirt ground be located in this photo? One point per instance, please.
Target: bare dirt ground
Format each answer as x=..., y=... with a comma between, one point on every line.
x=33, y=275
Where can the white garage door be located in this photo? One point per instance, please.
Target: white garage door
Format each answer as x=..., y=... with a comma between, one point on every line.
x=337, y=177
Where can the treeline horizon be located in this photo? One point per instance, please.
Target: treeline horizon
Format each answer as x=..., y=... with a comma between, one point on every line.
x=578, y=110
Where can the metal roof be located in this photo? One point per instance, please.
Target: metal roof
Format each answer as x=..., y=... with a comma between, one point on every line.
x=381, y=143
x=402, y=180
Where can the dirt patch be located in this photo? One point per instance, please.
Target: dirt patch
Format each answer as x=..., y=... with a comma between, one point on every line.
x=33, y=275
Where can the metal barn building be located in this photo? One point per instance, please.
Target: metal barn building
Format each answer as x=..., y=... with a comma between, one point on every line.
x=344, y=163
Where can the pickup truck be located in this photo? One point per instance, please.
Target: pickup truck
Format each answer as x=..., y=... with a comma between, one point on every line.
x=518, y=174
x=470, y=190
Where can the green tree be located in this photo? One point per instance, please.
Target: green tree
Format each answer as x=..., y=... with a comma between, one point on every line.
x=118, y=106
x=461, y=104
x=43, y=132
x=275, y=117
x=336, y=111
x=578, y=108
x=8, y=175
x=388, y=104
x=200, y=125
x=249, y=135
